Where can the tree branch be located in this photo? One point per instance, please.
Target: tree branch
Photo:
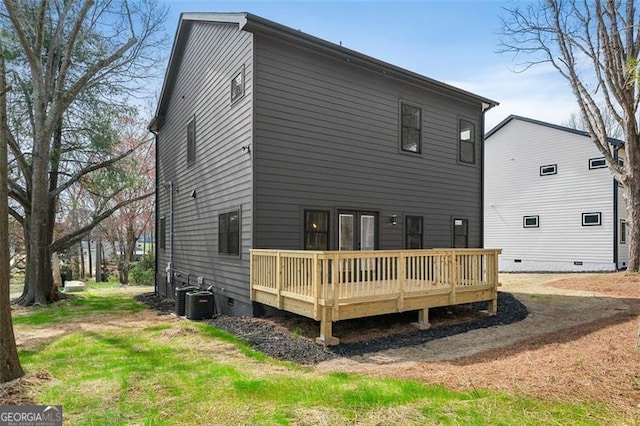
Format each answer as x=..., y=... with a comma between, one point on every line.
x=68, y=240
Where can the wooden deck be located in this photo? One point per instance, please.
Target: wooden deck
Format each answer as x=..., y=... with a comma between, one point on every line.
x=330, y=286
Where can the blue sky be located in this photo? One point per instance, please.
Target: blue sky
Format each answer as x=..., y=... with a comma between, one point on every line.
x=452, y=41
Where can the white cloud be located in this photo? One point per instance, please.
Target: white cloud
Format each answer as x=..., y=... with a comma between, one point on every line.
x=539, y=93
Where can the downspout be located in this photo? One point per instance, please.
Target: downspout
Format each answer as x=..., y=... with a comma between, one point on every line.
x=485, y=108
x=615, y=215
x=170, y=265
x=155, y=217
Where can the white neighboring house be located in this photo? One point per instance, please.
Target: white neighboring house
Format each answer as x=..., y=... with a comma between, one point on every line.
x=550, y=201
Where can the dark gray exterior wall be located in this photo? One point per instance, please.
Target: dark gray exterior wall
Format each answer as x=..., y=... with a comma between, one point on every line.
x=222, y=174
x=327, y=137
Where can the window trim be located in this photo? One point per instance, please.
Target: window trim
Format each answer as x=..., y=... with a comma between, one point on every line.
x=401, y=126
x=473, y=128
x=407, y=234
x=623, y=231
x=191, y=141
x=524, y=221
x=592, y=160
x=598, y=214
x=304, y=227
x=545, y=173
x=235, y=100
x=228, y=253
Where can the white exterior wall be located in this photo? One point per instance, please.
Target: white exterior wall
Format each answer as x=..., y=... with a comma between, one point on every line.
x=514, y=188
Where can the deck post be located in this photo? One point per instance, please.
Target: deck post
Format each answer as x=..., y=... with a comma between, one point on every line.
x=401, y=280
x=454, y=277
x=316, y=284
x=423, y=320
x=279, y=280
x=326, y=326
x=492, y=305
x=251, y=275
x=335, y=281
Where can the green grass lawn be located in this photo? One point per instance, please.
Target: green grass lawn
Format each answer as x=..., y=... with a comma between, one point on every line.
x=176, y=372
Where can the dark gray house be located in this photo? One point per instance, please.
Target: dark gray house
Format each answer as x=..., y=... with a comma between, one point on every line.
x=268, y=137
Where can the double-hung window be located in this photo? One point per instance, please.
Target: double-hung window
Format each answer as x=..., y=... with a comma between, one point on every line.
x=410, y=128
x=413, y=232
x=237, y=86
x=191, y=141
x=316, y=230
x=466, y=142
x=229, y=233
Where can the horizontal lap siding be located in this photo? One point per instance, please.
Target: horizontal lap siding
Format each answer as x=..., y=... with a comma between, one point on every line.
x=221, y=175
x=327, y=137
x=514, y=188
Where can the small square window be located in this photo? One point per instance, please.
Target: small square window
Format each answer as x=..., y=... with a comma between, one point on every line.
x=623, y=232
x=551, y=169
x=597, y=163
x=410, y=128
x=530, y=221
x=592, y=219
x=466, y=142
x=621, y=162
x=237, y=86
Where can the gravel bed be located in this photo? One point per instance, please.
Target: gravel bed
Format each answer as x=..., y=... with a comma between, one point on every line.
x=278, y=342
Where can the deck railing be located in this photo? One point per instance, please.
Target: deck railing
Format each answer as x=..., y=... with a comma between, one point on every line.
x=308, y=282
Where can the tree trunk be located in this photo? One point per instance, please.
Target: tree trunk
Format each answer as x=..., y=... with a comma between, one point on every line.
x=10, y=368
x=633, y=219
x=98, y=261
x=128, y=253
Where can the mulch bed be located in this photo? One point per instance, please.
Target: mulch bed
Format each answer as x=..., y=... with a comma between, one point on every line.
x=283, y=337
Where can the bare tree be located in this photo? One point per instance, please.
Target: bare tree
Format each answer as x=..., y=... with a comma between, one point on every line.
x=613, y=130
x=595, y=46
x=74, y=64
x=10, y=368
x=123, y=229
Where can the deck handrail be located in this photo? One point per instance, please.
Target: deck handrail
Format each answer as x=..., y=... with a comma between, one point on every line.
x=324, y=275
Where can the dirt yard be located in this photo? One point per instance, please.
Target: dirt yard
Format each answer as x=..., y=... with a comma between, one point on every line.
x=578, y=343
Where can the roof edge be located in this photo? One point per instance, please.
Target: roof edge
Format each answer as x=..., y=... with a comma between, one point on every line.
x=612, y=141
x=257, y=23
x=249, y=22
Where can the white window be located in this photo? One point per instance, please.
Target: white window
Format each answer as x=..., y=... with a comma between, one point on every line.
x=550, y=169
x=592, y=219
x=530, y=222
x=623, y=232
x=597, y=163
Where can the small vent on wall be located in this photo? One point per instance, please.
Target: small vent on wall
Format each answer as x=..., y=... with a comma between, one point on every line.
x=577, y=263
x=517, y=260
x=231, y=301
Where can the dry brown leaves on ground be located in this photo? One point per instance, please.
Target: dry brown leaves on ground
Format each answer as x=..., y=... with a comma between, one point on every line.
x=16, y=392
x=595, y=362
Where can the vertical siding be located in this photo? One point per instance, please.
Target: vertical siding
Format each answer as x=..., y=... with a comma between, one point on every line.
x=222, y=174
x=514, y=188
x=327, y=137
